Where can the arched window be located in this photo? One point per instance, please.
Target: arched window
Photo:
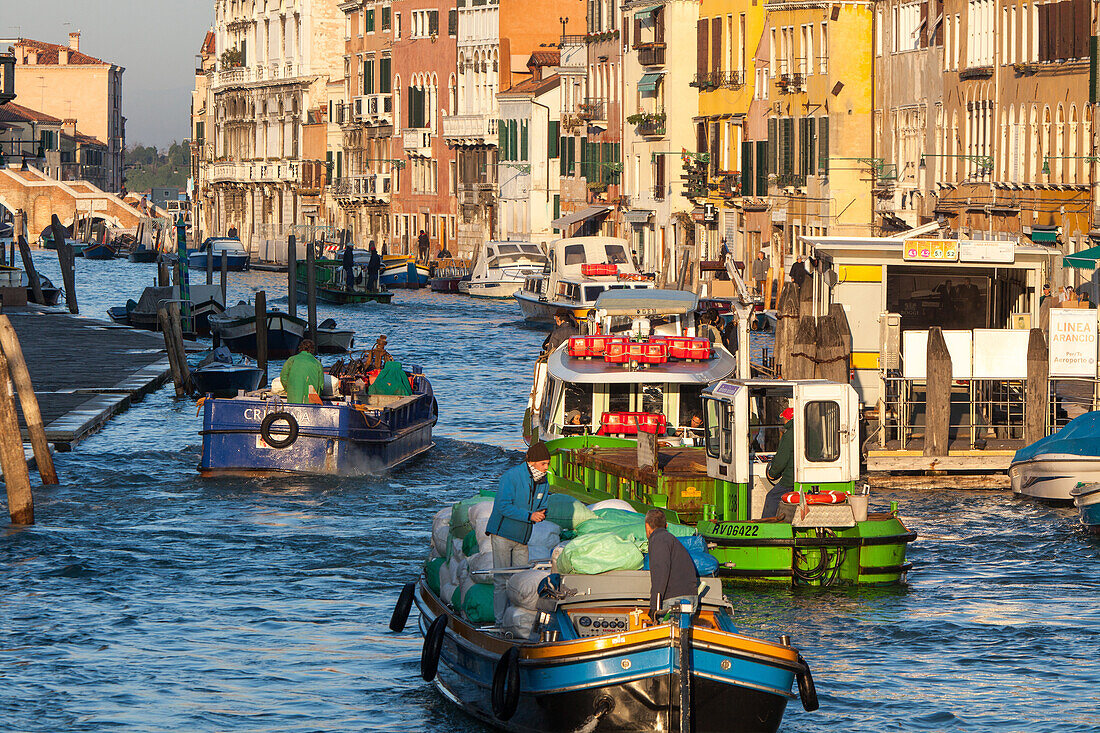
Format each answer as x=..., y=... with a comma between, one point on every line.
x=1059, y=144
x=1002, y=153
x=1034, y=141
x=952, y=149
x=1074, y=165
x=396, y=102
x=1045, y=145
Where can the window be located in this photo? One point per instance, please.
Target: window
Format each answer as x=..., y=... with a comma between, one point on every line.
x=368, y=20
x=397, y=25
x=822, y=431
x=714, y=408
x=384, y=81
x=574, y=254
x=616, y=254
x=907, y=27
x=386, y=11
x=824, y=68
x=452, y=22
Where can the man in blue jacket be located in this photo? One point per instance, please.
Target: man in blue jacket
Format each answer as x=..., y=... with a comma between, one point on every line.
x=521, y=502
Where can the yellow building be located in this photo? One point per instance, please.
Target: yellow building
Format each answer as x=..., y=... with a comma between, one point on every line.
x=67, y=83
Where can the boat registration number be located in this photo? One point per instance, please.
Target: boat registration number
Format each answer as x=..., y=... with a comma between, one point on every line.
x=738, y=530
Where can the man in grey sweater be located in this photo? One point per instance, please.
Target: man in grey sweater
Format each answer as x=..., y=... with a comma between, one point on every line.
x=671, y=569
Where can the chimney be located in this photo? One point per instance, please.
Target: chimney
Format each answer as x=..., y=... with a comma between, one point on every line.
x=68, y=127
x=63, y=56
x=32, y=57
x=74, y=40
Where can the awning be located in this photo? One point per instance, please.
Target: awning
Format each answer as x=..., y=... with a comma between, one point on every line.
x=1083, y=260
x=638, y=216
x=649, y=82
x=646, y=302
x=646, y=10
x=575, y=216
x=1044, y=234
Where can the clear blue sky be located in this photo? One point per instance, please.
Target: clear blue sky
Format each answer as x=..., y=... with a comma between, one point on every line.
x=155, y=41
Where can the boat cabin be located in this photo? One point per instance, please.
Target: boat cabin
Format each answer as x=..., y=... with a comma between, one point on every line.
x=743, y=428
x=503, y=254
x=643, y=368
x=581, y=268
x=217, y=245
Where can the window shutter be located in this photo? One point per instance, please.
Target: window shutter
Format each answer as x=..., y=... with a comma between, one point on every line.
x=572, y=154
x=1066, y=31
x=773, y=148
x=386, y=10
x=746, y=169
x=564, y=162
x=924, y=24
x=513, y=142
x=716, y=44
x=823, y=145
x=552, y=139
x=368, y=77
x=715, y=140
x=659, y=177
x=701, y=51
x=412, y=107
x=788, y=161
x=811, y=139
x=637, y=30
x=523, y=141
x=433, y=22
x=369, y=20
x=762, y=157
x=384, y=79
x=1081, y=24
x=452, y=22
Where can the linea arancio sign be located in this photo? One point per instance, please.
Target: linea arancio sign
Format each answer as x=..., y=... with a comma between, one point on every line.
x=1072, y=342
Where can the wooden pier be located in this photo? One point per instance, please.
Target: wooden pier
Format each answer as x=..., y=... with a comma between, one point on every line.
x=84, y=370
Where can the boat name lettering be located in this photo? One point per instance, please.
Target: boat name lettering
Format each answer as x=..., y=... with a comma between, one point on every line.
x=256, y=414
x=738, y=530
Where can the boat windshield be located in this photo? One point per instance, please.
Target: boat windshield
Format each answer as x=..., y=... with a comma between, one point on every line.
x=531, y=249
x=506, y=249
x=592, y=292
x=574, y=254
x=616, y=254
x=577, y=411
x=713, y=438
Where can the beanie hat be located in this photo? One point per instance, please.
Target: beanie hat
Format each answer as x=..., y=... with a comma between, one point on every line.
x=787, y=414
x=538, y=452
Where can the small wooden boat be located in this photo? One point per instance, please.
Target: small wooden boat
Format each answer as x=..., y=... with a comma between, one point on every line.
x=14, y=277
x=348, y=436
x=333, y=340
x=332, y=286
x=237, y=257
x=447, y=274
x=206, y=300
x=143, y=254
x=596, y=663
x=1086, y=497
x=100, y=251
x=403, y=271
x=237, y=329
x=1051, y=467
x=219, y=375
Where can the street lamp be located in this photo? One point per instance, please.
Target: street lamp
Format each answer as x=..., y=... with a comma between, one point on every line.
x=1048, y=158
x=984, y=162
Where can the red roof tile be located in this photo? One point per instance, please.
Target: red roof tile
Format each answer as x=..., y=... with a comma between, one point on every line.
x=47, y=53
x=12, y=112
x=208, y=43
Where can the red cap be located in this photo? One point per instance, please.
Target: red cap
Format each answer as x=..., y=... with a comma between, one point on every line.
x=786, y=415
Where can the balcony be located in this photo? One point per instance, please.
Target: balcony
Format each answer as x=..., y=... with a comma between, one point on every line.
x=719, y=80
x=417, y=143
x=649, y=124
x=470, y=130
x=250, y=74
x=659, y=192
x=285, y=171
x=377, y=109
x=592, y=110
x=651, y=54
x=370, y=188
x=791, y=83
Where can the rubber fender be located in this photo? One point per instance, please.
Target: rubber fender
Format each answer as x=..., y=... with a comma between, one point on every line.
x=433, y=645
x=506, y=685
x=806, y=689
x=265, y=429
x=401, y=610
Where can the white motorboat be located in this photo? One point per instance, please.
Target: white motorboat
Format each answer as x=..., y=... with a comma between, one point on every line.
x=332, y=339
x=1052, y=467
x=580, y=269
x=1086, y=497
x=501, y=269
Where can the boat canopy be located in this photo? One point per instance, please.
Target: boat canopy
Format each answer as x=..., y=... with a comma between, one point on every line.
x=646, y=302
x=223, y=244
x=597, y=371
x=1080, y=437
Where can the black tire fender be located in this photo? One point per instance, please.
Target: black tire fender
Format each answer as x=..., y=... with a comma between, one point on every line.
x=433, y=646
x=401, y=611
x=271, y=419
x=807, y=691
x=506, y=685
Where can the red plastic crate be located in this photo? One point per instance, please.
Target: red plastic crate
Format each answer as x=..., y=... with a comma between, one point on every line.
x=683, y=347
x=630, y=423
x=593, y=269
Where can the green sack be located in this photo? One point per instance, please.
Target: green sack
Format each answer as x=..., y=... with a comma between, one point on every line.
x=593, y=554
x=391, y=380
x=431, y=573
x=567, y=512
x=477, y=607
x=627, y=525
x=469, y=545
x=460, y=515
x=456, y=598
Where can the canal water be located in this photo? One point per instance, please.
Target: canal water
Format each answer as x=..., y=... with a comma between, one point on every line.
x=148, y=599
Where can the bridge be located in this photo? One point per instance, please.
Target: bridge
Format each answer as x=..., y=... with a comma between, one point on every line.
x=41, y=196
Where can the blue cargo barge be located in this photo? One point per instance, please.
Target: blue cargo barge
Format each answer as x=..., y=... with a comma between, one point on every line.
x=261, y=433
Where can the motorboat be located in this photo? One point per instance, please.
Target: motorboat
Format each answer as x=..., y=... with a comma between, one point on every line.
x=236, y=327
x=403, y=271
x=348, y=435
x=502, y=268
x=595, y=662
x=237, y=257
x=1086, y=497
x=220, y=375
x=1051, y=467
x=330, y=281
x=333, y=340
x=206, y=301
x=579, y=269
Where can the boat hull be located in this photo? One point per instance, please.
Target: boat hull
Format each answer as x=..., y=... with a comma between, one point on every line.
x=99, y=252
x=227, y=381
x=1052, y=476
x=143, y=255
x=542, y=311
x=283, y=335
x=404, y=275
x=234, y=263
x=445, y=284
x=337, y=296
x=335, y=341
x=1087, y=500
x=490, y=289
x=334, y=438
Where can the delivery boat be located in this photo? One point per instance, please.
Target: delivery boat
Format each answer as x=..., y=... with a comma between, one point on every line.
x=331, y=281
x=579, y=269
x=260, y=432
x=403, y=271
x=212, y=248
x=1051, y=467
x=595, y=664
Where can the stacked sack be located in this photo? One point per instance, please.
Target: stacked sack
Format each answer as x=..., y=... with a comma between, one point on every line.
x=461, y=554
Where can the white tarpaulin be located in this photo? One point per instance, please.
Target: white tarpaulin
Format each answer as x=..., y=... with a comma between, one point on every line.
x=1072, y=342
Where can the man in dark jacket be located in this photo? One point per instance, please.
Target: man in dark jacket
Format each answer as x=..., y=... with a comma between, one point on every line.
x=798, y=272
x=349, y=266
x=523, y=496
x=564, y=327
x=374, y=266
x=671, y=569
x=781, y=467
x=423, y=246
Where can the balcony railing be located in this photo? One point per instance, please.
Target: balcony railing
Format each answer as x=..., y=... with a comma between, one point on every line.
x=659, y=193
x=592, y=109
x=246, y=74
x=719, y=80
x=651, y=54
x=470, y=129
x=369, y=186
x=417, y=142
x=651, y=125
x=286, y=171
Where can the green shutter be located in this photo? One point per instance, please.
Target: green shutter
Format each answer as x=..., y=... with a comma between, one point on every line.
x=823, y=145
x=552, y=139
x=339, y=164
x=572, y=155
x=746, y=169
x=811, y=140
x=763, y=156
x=557, y=206
x=370, y=20
x=384, y=79
x=523, y=140
x=368, y=77
x=513, y=142
x=773, y=148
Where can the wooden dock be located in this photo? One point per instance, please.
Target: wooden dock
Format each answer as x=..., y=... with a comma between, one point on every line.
x=85, y=370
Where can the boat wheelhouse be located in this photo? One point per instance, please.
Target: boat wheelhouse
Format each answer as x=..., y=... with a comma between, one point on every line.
x=644, y=368
x=502, y=268
x=237, y=257
x=578, y=271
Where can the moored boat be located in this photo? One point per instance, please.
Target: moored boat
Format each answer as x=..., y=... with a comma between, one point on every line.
x=206, y=300
x=100, y=251
x=447, y=274
x=1051, y=467
x=1086, y=497
x=403, y=271
x=331, y=283
x=14, y=277
x=501, y=269
x=220, y=375
x=237, y=257
x=237, y=329
x=579, y=270
x=334, y=340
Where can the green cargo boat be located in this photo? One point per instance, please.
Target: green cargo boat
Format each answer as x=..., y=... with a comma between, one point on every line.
x=331, y=288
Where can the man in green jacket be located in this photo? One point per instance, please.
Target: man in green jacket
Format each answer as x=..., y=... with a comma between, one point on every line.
x=301, y=372
x=781, y=467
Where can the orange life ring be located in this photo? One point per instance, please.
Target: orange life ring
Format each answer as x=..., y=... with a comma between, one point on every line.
x=823, y=497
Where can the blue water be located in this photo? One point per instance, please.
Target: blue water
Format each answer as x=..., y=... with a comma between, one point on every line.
x=148, y=599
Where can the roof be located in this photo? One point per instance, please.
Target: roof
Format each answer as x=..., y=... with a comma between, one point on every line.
x=646, y=302
x=533, y=86
x=83, y=139
x=48, y=52
x=545, y=58
x=12, y=112
x=208, y=43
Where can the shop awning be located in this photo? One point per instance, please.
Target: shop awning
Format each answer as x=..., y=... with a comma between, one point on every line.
x=1044, y=234
x=575, y=216
x=646, y=10
x=637, y=216
x=1083, y=260
x=649, y=82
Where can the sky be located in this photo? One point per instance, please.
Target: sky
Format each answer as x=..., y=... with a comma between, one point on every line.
x=155, y=41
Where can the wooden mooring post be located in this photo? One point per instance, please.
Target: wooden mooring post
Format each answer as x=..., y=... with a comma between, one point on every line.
x=786, y=323
x=28, y=267
x=17, y=478
x=292, y=276
x=1037, y=396
x=803, y=362
x=67, y=259
x=833, y=351
x=937, y=409
x=261, y=332
x=32, y=415
x=169, y=319
x=225, y=277
x=162, y=272
x=311, y=292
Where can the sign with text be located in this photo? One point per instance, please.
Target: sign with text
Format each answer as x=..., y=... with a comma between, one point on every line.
x=931, y=250
x=1072, y=342
x=987, y=251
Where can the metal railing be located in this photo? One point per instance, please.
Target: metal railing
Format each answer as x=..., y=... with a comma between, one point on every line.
x=651, y=54
x=719, y=80
x=652, y=126
x=592, y=109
